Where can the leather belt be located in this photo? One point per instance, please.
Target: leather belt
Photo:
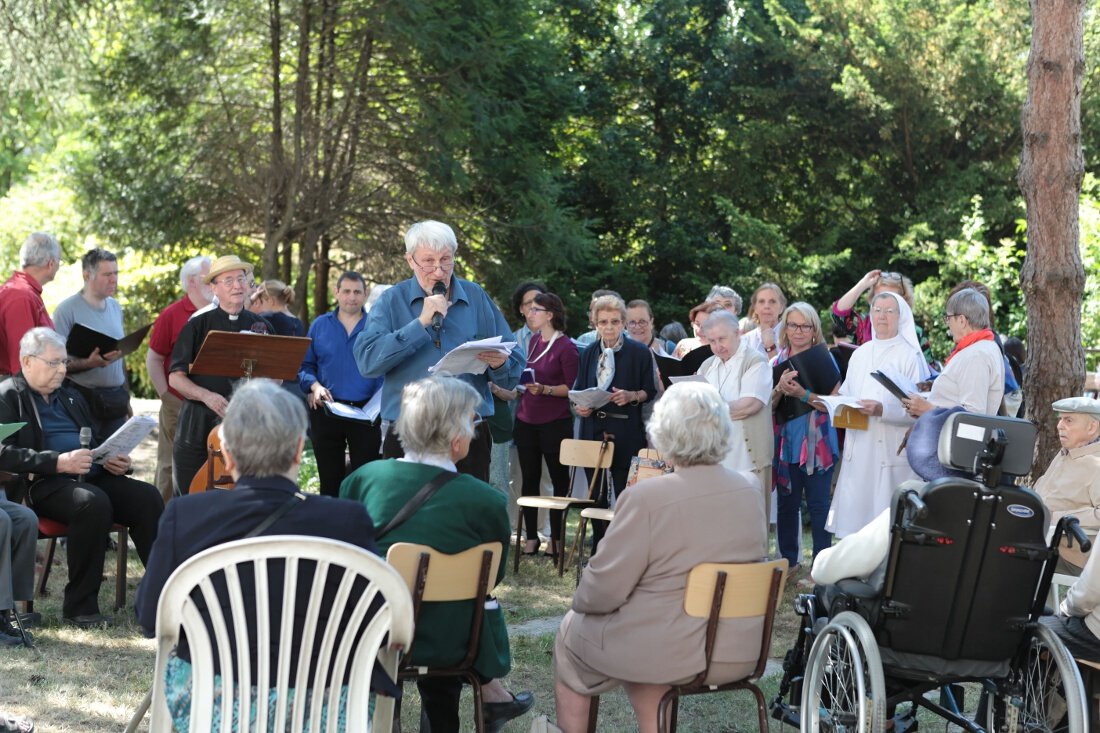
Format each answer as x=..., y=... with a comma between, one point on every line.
x=614, y=415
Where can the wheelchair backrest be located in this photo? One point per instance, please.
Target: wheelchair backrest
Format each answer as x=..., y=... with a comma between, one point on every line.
x=961, y=580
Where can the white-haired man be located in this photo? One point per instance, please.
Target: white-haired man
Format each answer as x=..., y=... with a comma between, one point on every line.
x=166, y=331
x=400, y=343
x=21, y=306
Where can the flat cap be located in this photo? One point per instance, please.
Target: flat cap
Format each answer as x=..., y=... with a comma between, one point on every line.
x=1086, y=405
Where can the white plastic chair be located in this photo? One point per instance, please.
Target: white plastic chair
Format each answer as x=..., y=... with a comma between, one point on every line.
x=350, y=655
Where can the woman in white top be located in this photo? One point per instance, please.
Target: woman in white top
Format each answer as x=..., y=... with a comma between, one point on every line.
x=872, y=468
x=974, y=375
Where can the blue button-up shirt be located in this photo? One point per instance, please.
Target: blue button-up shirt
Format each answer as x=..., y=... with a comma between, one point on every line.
x=396, y=346
x=331, y=362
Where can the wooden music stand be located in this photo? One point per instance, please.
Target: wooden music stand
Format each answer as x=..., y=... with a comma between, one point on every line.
x=236, y=355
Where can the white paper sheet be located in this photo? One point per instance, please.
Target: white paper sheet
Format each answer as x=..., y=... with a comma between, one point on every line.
x=463, y=359
x=832, y=402
x=125, y=439
x=593, y=397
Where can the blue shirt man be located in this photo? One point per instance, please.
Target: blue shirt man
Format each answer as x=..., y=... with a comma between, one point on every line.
x=400, y=344
x=328, y=375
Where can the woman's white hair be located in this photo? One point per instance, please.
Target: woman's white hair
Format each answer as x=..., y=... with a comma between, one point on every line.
x=608, y=303
x=263, y=426
x=435, y=411
x=691, y=425
x=435, y=235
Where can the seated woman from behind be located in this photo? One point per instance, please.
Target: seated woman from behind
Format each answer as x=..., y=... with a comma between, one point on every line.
x=436, y=425
x=634, y=587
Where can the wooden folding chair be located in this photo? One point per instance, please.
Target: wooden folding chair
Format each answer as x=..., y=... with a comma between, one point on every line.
x=599, y=514
x=718, y=591
x=594, y=454
x=434, y=576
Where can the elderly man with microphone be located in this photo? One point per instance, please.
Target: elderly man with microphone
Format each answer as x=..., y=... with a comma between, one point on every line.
x=419, y=320
x=54, y=468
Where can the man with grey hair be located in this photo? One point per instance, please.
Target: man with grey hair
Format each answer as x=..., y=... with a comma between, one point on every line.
x=263, y=439
x=166, y=331
x=59, y=478
x=99, y=377
x=419, y=320
x=21, y=306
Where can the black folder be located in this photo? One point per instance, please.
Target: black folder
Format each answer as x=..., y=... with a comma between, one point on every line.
x=83, y=341
x=817, y=372
x=670, y=366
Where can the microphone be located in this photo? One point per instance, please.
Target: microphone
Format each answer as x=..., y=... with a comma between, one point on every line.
x=437, y=318
x=85, y=441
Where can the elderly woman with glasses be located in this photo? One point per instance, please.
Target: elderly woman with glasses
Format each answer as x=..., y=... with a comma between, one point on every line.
x=627, y=626
x=806, y=446
x=973, y=377
x=872, y=468
x=623, y=367
x=856, y=325
x=437, y=423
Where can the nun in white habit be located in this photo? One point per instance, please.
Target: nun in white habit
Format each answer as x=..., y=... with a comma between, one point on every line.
x=872, y=468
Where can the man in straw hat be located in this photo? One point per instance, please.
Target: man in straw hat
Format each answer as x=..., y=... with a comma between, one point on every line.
x=206, y=397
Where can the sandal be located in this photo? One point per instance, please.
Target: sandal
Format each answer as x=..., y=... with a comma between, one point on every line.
x=15, y=724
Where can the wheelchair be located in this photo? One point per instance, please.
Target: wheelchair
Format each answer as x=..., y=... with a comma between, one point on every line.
x=957, y=600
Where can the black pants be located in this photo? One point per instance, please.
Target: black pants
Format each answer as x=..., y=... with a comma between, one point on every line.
x=476, y=462
x=439, y=698
x=90, y=507
x=333, y=437
x=1078, y=638
x=533, y=444
x=195, y=422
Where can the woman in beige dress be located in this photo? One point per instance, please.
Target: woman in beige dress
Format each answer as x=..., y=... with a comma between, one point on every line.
x=627, y=625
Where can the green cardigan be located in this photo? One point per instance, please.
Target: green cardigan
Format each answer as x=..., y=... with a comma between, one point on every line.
x=464, y=513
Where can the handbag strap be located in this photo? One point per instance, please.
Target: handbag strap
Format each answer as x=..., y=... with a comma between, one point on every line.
x=416, y=502
x=276, y=515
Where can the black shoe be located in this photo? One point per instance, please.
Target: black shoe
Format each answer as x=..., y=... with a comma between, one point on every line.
x=89, y=621
x=497, y=714
x=10, y=626
x=11, y=640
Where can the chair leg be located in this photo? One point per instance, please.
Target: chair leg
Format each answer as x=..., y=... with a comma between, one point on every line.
x=479, y=710
x=582, y=530
x=120, y=567
x=664, y=724
x=560, y=560
x=761, y=707
x=593, y=712
x=519, y=526
x=51, y=545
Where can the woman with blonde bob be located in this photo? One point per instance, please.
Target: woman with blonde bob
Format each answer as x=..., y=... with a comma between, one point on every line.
x=634, y=587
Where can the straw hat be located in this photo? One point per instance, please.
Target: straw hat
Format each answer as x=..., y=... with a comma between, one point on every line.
x=226, y=263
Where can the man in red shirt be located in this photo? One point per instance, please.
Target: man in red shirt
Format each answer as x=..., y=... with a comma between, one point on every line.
x=21, y=306
x=166, y=330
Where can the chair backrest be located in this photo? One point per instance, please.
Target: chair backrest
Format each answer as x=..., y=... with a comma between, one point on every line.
x=586, y=453
x=966, y=435
x=364, y=601
x=718, y=591
x=449, y=577
x=961, y=580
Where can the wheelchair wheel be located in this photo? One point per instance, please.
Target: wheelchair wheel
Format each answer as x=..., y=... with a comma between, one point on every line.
x=844, y=689
x=1044, y=695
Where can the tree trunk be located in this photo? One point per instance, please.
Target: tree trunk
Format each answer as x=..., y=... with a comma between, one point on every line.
x=1051, y=169
x=320, y=281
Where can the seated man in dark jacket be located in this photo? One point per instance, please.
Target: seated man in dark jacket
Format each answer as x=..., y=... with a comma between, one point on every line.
x=58, y=475
x=263, y=436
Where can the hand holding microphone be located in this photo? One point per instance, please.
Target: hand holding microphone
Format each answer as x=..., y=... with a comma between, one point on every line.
x=435, y=306
x=85, y=444
x=77, y=462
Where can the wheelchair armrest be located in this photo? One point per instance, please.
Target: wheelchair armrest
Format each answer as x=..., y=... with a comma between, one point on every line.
x=857, y=589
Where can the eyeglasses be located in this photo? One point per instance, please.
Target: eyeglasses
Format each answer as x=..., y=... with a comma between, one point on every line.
x=536, y=309
x=948, y=316
x=637, y=324
x=890, y=276
x=54, y=363
x=446, y=264
x=887, y=311
x=239, y=280
x=803, y=327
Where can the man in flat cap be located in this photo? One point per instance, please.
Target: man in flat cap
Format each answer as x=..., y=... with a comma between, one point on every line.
x=1071, y=485
x=206, y=397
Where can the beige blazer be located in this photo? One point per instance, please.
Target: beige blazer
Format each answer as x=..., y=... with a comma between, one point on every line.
x=629, y=621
